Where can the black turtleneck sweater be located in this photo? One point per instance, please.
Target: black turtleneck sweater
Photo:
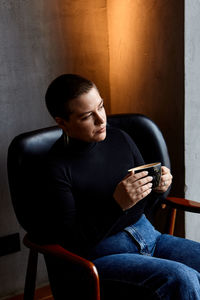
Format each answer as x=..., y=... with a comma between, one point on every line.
x=81, y=179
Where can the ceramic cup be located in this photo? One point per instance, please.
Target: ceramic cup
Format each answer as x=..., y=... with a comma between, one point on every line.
x=154, y=170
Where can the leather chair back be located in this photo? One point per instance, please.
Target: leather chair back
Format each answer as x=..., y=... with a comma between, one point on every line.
x=146, y=135
x=25, y=153
x=28, y=149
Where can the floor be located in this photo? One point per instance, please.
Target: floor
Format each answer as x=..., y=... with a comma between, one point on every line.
x=43, y=293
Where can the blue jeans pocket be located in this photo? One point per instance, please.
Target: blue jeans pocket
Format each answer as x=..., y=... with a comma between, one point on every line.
x=144, y=235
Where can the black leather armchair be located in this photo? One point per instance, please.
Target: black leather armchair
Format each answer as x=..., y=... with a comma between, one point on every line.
x=26, y=151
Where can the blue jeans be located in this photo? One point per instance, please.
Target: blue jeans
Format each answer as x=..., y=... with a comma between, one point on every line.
x=167, y=267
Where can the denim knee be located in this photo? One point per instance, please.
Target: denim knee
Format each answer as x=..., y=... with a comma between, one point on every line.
x=181, y=282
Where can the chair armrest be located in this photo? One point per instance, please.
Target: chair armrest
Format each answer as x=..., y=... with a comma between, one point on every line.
x=184, y=204
x=60, y=252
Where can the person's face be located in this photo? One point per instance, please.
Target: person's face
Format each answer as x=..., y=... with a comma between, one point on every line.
x=87, y=121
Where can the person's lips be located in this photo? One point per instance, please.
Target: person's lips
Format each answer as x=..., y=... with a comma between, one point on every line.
x=101, y=130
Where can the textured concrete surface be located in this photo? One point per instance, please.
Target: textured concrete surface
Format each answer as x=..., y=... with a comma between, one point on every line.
x=192, y=113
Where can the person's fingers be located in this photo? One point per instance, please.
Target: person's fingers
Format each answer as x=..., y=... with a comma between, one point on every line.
x=165, y=170
x=132, y=176
x=139, y=178
x=136, y=197
x=166, y=180
x=143, y=188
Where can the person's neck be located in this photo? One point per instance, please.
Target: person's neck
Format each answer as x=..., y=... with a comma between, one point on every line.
x=77, y=144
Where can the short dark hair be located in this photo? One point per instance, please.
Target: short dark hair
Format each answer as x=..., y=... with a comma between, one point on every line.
x=63, y=89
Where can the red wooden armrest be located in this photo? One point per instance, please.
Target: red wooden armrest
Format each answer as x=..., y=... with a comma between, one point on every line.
x=62, y=253
x=183, y=204
x=179, y=203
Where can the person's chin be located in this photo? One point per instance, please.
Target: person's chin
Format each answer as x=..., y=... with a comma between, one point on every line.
x=100, y=136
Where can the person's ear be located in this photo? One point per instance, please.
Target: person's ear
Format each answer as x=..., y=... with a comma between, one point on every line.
x=62, y=123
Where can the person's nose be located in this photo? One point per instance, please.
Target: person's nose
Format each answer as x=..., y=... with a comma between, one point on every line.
x=99, y=119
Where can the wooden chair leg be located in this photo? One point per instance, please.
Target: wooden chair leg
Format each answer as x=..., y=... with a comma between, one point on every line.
x=172, y=221
x=30, y=281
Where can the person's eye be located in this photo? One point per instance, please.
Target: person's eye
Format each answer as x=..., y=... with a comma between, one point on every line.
x=101, y=106
x=86, y=117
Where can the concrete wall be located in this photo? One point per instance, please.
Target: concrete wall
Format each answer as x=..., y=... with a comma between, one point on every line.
x=24, y=73
x=192, y=111
x=40, y=40
x=132, y=50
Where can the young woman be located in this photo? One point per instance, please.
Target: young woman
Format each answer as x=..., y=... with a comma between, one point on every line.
x=98, y=207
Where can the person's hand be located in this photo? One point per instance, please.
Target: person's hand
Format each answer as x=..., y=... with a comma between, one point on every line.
x=165, y=181
x=133, y=188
